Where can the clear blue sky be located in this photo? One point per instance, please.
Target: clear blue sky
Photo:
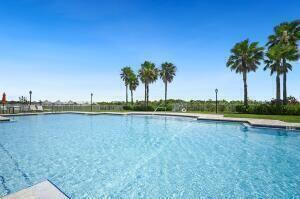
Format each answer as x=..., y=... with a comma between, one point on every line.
x=67, y=49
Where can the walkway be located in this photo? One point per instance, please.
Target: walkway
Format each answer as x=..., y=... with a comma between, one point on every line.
x=43, y=190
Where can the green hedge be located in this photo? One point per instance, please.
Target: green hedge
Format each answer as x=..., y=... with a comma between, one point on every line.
x=143, y=108
x=138, y=108
x=211, y=107
x=269, y=109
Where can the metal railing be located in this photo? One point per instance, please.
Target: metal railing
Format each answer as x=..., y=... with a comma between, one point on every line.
x=15, y=108
x=160, y=107
x=83, y=108
x=179, y=107
x=24, y=108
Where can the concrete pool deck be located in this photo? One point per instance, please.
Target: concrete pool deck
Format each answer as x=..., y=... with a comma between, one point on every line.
x=43, y=190
x=251, y=121
x=212, y=117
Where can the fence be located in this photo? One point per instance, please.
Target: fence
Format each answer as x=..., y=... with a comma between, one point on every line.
x=15, y=108
x=23, y=108
x=83, y=108
x=201, y=107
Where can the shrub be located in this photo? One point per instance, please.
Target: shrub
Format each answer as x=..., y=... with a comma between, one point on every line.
x=269, y=109
x=127, y=108
x=259, y=109
x=292, y=109
x=162, y=108
x=143, y=108
x=241, y=109
x=221, y=108
x=169, y=107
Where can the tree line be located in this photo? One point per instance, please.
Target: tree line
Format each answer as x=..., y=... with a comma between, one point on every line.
x=147, y=74
x=281, y=49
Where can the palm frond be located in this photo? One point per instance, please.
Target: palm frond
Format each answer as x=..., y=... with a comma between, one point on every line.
x=245, y=57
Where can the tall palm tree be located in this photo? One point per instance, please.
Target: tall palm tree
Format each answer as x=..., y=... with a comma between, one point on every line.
x=245, y=57
x=275, y=55
x=133, y=84
x=167, y=74
x=289, y=53
x=148, y=74
x=273, y=63
x=125, y=74
x=287, y=33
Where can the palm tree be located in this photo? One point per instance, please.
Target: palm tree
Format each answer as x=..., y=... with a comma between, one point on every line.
x=167, y=74
x=287, y=33
x=275, y=54
x=133, y=84
x=125, y=74
x=245, y=57
x=289, y=53
x=148, y=74
x=273, y=62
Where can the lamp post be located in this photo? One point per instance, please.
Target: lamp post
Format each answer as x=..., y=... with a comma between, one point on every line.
x=216, y=90
x=30, y=93
x=92, y=102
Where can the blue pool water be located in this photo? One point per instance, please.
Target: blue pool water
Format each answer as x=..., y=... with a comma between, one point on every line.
x=148, y=157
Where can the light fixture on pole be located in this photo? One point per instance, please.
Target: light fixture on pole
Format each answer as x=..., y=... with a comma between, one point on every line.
x=216, y=90
x=92, y=102
x=30, y=93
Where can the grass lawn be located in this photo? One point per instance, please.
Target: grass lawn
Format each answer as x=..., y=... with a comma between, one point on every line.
x=285, y=118
x=203, y=112
x=122, y=111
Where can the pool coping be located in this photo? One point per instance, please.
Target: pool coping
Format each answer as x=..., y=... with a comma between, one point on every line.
x=43, y=190
x=211, y=117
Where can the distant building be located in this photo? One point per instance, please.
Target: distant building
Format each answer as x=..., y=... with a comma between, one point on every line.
x=70, y=102
x=46, y=102
x=58, y=102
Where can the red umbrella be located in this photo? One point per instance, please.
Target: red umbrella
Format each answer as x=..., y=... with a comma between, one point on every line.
x=4, y=99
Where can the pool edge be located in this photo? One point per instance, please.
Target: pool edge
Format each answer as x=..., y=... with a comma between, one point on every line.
x=211, y=117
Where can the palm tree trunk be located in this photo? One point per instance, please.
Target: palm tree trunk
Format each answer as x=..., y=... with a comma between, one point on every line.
x=126, y=94
x=131, y=97
x=284, y=83
x=284, y=89
x=166, y=91
x=277, y=88
x=147, y=95
x=245, y=88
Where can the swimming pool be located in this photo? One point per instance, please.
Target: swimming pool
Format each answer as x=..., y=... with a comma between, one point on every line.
x=148, y=156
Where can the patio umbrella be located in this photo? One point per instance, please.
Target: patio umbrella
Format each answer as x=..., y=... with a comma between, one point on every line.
x=3, y=99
